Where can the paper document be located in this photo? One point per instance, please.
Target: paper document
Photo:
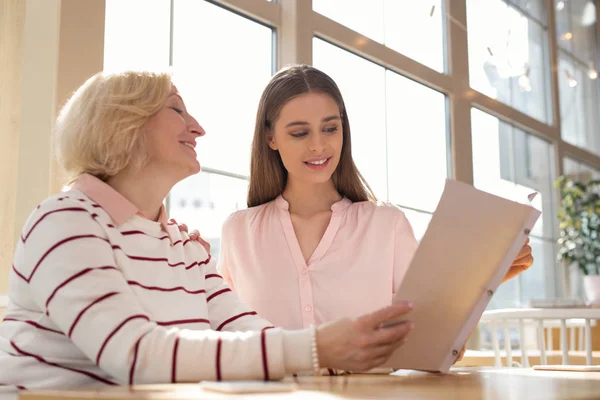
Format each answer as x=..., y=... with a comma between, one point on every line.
x=469, y=246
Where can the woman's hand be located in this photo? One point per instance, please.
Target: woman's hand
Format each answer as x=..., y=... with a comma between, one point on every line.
x=195, y=235
x=364, y=343
x=461, y=355
x=522, y=263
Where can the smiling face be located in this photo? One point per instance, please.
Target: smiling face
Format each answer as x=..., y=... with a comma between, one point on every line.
x=171, y=136
x=302, y=132
x=308, y=136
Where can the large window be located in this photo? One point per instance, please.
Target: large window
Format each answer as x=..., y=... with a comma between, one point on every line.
x=399, y=133
x=511, y=163
x=413, y=28
x=508, y=56
x=576, y=30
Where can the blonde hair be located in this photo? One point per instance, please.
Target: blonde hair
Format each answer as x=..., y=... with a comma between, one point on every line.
x=99, y=130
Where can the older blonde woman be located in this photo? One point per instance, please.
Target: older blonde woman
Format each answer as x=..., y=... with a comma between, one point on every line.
x=105, y=290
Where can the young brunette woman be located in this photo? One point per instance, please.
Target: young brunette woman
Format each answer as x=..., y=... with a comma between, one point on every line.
x=314, y=244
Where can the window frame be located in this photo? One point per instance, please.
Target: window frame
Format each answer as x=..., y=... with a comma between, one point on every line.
x=296, y=24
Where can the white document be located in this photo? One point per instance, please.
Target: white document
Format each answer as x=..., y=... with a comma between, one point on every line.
x=469, y=246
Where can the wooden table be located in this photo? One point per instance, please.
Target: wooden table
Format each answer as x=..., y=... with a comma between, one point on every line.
x=463, y=383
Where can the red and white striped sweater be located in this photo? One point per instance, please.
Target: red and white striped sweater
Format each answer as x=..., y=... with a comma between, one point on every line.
x=93, y=302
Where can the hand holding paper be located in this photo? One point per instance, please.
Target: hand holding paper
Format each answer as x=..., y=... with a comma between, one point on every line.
x=473, y=242
x=522, y=263
x=366, y=342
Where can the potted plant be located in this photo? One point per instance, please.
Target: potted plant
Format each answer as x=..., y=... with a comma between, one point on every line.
x=579, y=218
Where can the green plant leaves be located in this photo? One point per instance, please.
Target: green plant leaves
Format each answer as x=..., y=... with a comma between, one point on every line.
x=579, y=223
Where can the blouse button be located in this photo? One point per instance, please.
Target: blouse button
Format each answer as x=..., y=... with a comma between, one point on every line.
x=304, y=272
x=308, y=308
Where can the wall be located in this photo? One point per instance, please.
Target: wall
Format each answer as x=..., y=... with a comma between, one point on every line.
x=47, y=49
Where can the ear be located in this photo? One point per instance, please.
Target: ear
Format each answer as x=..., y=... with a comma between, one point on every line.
x=271, y=141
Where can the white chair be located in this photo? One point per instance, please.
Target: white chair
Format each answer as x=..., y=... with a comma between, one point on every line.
x=542, y=320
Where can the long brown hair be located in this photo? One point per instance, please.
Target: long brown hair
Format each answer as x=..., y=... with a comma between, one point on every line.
x=268, y=175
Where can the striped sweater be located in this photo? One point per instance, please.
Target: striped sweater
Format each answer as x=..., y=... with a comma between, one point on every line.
x=93, y=302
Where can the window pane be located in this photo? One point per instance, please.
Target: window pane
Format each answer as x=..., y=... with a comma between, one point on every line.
x=506, y=296
x=394, y=122
x=365, y=104
x=579, y=104
x=142, y=25
x=584, y=29
x=579, y=171
x=511, y=163
x=391, y=22
x=417, y=145
x=362, y=16
x=204, y=201
x=535, y=9
x=563, y=26
x=570, y=114
x=222, y=62
x=538, y=281
x=413, y=19
x=576, y=28
x=508, y=57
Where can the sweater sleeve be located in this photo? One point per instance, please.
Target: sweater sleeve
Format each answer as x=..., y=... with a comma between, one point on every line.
x=73, y=274
x=226, y=310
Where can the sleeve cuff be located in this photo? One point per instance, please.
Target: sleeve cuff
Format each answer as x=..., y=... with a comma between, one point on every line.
x=296, y=351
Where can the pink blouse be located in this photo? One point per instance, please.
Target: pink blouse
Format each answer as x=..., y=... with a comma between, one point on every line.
x=361, y=259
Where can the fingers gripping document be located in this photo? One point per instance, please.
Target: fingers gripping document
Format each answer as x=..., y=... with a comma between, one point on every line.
x=470, y=244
